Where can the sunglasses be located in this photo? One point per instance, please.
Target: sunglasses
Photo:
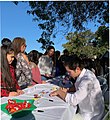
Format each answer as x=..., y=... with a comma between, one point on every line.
x=25, y=45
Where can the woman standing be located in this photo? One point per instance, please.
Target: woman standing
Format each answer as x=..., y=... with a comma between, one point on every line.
x=45, y=64
x=23, y=69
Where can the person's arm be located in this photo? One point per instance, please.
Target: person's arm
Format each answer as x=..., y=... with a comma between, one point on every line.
x=13, y=94
x=25, y=58
x=73, y=98
x=20, y=92
x=41, y=66
x=80, y=94
x=72, y=89
x=4, y=93
x=60, y=93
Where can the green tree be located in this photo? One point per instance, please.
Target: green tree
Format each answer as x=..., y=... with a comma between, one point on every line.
x=80, y=43
x=85, y=43
x=102, y=36
x=66, y=14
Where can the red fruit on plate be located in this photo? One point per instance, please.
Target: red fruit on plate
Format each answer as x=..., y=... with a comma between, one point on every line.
x=13, y=106
x=11, y=101
x=12, y=110
x=7, y=106
x=29, y=105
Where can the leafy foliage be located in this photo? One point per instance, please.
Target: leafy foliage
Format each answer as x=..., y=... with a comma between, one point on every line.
x=86, y=43
x=102, y=36
x=52, y=14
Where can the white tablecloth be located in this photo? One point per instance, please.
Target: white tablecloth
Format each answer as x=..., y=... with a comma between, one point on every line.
x=56, y=110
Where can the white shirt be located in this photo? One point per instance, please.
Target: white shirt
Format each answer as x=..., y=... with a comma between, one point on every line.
x=88, y=96
x=45, y=65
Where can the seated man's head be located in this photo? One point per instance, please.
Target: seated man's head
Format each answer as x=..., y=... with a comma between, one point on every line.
x=73, y=66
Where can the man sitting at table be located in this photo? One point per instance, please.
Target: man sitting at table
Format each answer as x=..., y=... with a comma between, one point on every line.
x=88, y=94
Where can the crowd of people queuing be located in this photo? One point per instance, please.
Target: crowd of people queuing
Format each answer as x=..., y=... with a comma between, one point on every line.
x=20, y=70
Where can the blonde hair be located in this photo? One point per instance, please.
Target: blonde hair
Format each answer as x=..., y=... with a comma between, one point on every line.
x=17, y=43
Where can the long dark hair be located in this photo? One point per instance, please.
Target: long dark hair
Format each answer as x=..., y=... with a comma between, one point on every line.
x=17, y=43
x=49, y=48
x=5, y=69
x=33, y=56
